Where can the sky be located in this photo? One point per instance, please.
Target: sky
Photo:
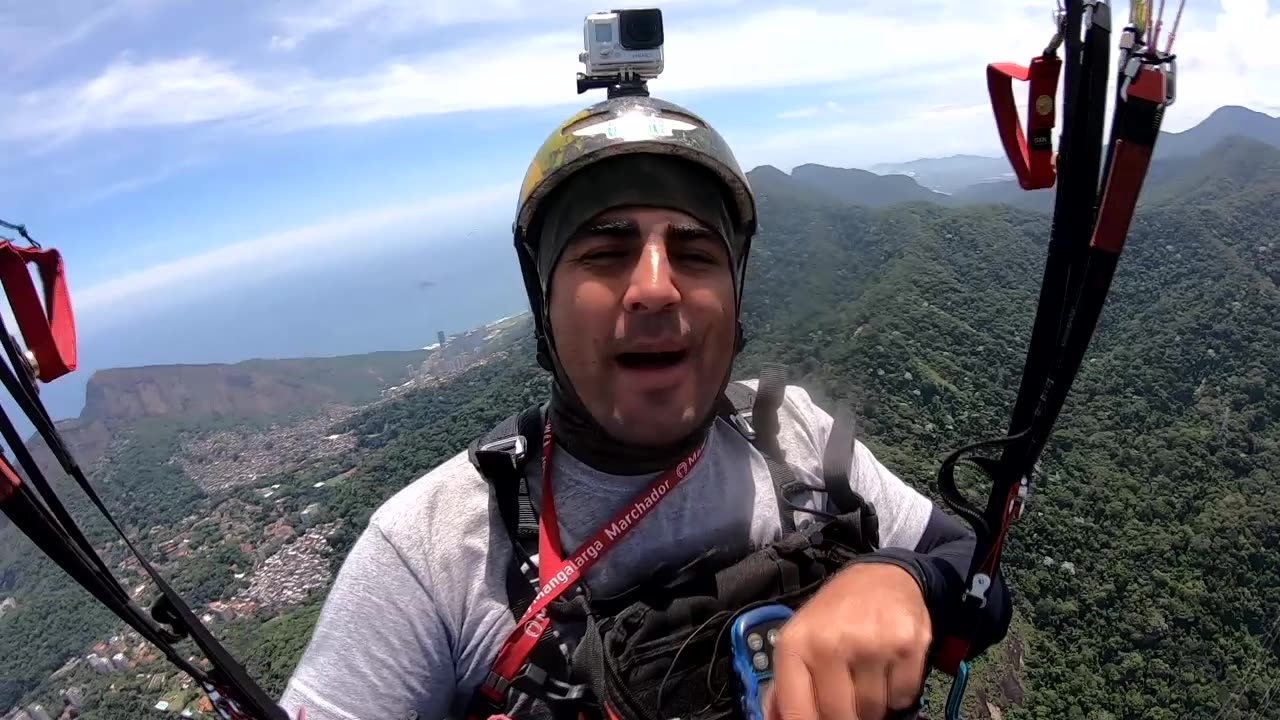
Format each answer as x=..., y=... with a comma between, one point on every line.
x=182, y=152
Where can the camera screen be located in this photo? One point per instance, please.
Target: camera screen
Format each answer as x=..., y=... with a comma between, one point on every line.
x=604, y=32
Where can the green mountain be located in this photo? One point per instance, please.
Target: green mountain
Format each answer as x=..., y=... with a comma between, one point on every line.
x=822, y=184
x=1147, y=570
x=1221, y=124
x=1175, y=159
x=1160, y=487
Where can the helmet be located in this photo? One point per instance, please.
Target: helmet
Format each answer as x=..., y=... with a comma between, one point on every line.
x=619, y=126
x=630, y=124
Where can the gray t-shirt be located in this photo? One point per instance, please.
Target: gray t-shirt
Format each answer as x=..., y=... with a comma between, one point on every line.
x=418, y=611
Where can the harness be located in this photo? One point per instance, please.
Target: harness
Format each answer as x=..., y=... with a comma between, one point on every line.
x=598, y=678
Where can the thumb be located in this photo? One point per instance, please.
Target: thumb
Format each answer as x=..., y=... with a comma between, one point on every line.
x=302, y=713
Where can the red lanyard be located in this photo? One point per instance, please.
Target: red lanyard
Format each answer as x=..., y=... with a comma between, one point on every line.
x=557, y=574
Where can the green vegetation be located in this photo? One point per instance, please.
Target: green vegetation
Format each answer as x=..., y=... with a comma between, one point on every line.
x=1147, y=570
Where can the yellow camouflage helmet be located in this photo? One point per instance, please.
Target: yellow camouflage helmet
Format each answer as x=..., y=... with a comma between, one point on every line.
x=624, y=125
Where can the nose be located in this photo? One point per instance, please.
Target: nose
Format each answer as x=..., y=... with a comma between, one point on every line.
x=652, y=287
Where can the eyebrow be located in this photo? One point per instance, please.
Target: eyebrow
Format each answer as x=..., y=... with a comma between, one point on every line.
x=626, y=228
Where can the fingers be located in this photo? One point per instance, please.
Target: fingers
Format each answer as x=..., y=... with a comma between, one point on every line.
x=792, y=694
x=837, y=697
x=872, y=680
x=904, y=681
x=817, y=685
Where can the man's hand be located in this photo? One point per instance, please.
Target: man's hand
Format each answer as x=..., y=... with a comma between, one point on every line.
x=855, y=651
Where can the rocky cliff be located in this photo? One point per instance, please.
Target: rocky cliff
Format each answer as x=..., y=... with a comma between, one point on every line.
x=245, y=391
x=255, y=388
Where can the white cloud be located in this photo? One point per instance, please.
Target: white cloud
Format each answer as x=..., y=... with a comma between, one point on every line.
x=129, y=95
x=910, y=133
x=804, y=112
x=1226, y=61
x=301, y=20
x=280, y=253
x=830, y=107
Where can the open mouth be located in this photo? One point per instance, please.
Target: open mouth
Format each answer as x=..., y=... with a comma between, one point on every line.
x=652, y=360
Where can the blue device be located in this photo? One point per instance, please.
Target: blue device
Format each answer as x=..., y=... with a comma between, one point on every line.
x=751, y=637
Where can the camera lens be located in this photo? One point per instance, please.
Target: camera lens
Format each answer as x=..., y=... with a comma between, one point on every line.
x=640, y=29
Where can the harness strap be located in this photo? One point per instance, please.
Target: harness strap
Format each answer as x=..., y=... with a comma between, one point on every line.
x=837, y=459
x=770, y=392
x=501, y=457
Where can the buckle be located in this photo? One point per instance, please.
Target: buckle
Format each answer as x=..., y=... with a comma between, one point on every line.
x=978, y=591
x=742, y=421
x=535, y=681
x=513, y=447
x=1170, y=70
x=1019, y=502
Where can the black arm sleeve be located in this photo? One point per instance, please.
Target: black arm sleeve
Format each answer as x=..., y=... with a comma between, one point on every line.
x=939, y=563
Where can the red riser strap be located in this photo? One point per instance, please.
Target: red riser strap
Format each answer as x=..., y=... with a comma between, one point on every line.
x=49, y=331
x=1030, y=152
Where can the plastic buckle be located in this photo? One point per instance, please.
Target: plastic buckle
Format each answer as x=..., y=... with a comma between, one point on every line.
x=978, y=590
x=1019, y=502
x=1170, y=71
x=742, y=421
x=513, y=447
x=535, y=681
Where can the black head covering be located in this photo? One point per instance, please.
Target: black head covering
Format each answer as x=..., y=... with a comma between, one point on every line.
x=643, y=180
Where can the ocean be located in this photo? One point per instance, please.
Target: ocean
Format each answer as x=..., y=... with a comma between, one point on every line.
x=393, y=297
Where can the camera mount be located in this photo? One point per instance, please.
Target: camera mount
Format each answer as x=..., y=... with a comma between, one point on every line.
x=617, y=86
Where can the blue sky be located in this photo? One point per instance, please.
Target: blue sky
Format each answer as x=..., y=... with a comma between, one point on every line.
x=178, y=149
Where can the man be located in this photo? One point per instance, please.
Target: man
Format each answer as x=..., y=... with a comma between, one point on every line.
x=633, y=231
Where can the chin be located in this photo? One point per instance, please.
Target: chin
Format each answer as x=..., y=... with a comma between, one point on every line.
x=656, y=426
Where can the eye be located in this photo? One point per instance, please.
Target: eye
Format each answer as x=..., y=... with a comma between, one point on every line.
x=603, y=255
x=698, y=256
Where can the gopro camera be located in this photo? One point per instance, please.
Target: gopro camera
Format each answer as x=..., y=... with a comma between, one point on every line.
x=623, y=45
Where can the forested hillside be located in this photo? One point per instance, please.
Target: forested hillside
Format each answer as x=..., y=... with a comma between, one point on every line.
x=1147, y=570
x=1159, y=489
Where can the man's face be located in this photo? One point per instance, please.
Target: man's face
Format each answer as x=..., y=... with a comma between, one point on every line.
x=642, y=308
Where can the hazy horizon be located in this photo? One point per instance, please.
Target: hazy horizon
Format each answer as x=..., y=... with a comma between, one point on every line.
x=394, y=299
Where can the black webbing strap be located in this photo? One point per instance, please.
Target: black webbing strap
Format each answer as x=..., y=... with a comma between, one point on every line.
x=770, y=392
x=501, y=456
x=837, y=462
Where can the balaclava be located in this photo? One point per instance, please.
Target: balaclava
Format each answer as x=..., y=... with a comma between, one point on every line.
x=636, y=179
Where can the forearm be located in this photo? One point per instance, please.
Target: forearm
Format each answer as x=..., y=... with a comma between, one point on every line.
x=940, y=563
